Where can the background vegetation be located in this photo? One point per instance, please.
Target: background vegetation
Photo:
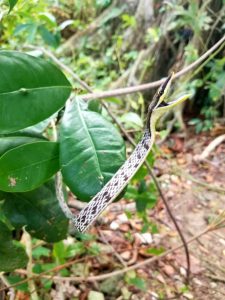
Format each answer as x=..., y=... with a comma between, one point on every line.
x=107, y=44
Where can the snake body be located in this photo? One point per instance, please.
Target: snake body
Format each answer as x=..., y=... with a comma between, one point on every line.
x=113, y=188
x=121, y=178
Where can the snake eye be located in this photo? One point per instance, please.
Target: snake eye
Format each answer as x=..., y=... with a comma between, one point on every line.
x=160, y=93
x=163, y=104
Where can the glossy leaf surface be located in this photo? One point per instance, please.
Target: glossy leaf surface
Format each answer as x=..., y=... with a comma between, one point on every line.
x=10, y=142
x=39, y=211
x=91, y=150
x=12, y=254
x=12, y=3
x=31, y=90
x=26, y=167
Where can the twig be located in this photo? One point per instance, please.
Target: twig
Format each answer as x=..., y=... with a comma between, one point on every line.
x=217, y=189
x=34, y=276
x=174, y=222
x=11, y=292
x=31, y=284
x=218, y=19
x=216, y=278
x=128, y=90
x=115, y=253
x=218, y=223
x=111, y=274
x=146, y=86
x=165, y=203
x=61, y=65
x=212, y=145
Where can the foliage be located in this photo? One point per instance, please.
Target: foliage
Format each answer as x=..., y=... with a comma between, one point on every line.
x=38, y=210
x=33, y=90
x=12, y=3
x=12, y=254
x=90, y=149
x=88, y=142
x=213, y=83
x=32, y=81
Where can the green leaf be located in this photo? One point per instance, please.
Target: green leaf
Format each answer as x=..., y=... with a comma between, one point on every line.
x=31, y=90
x=40, y=251
x=39, y=211
x=26, y=167
x=145, y=197
x=132, y=120
x=12, y=254
x=91, y=150
x=114, y=13
x=140, y=283
x=155, y=251
x=35, y=130
x=14, y=279
x=12, y=3
x=10, y=142
x=62, y=251
x=95, y=105
x=47, y=36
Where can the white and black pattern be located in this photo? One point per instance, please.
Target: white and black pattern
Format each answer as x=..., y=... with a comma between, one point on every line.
x=119, y=181
x=113, y=188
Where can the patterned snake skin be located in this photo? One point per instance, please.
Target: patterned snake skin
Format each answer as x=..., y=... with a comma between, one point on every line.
x=119, y=181
x=111, y=190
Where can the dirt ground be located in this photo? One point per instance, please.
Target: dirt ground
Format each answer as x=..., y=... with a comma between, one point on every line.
x=196, y=193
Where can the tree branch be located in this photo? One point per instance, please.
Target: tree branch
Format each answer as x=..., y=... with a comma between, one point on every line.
x=151, y=85
x=218, y=223
x=31, y=285
x=111, y=274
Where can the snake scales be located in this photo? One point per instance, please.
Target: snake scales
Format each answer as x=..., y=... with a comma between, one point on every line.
x=119, y=181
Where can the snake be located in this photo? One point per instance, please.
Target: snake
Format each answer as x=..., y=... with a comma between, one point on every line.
x=157, y=107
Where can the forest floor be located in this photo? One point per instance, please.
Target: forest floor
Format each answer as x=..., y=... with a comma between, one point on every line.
x=195, y=192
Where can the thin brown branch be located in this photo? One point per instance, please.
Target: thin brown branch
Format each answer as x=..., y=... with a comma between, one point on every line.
x=212, y=145
x=107, y=275
x=216, y=278
x=165, y=203
x=5, y=281
x=169, y=211
x=31, y=284
x=62, y=66
x=35, y=276
x=215, y=225
x=115, y=253
x=151, y=85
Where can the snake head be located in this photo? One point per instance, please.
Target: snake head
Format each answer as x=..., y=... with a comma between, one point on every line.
x=162, y=106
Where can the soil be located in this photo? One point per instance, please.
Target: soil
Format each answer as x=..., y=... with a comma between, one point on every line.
x=195, y=192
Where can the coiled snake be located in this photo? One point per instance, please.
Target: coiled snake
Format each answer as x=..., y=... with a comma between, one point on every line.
x=119, y=181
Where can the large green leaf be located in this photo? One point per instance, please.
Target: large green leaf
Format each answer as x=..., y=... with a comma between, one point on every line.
x=39, y=211
x=31, y=90
x=12, y=254
x=91, y=150
x=10, y=142
x=26, y=167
